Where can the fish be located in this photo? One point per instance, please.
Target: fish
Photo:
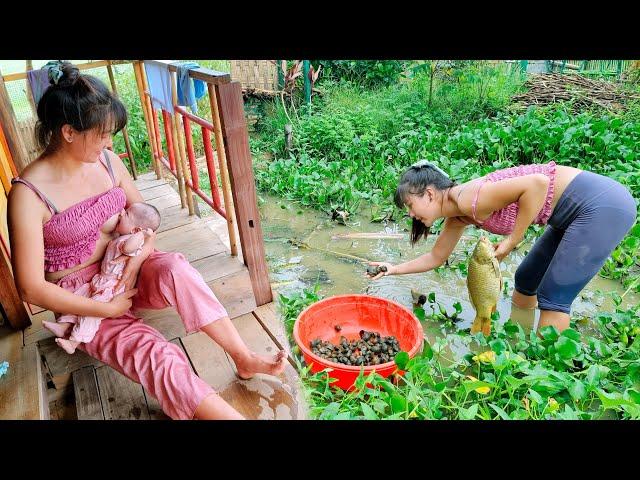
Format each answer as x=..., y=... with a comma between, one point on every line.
x=484, y=282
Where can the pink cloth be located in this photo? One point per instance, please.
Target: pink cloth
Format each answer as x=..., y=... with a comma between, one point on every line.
x=101, y=288
x=140, y=352
x=502, y=221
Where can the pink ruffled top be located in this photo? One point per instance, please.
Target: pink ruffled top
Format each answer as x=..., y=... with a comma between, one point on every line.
x=70, y=236
x=502, y=221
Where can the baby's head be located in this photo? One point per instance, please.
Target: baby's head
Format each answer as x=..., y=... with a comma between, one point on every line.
x=139, y=216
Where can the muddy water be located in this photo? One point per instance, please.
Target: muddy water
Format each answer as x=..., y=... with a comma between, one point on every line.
x=328, y=262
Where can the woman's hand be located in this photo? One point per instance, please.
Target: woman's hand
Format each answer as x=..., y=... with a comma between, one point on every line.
x=132, y=268
x=503, y=248
x=120, y=303
x=390, y=270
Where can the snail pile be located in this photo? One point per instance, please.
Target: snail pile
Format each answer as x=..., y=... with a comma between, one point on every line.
x=370, y=349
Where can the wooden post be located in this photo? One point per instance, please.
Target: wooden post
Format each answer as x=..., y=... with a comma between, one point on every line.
x=9, y=297
x=181, y=161
x=12, y=134
x=236, y=143
x=224, y=173
x=112, y=79
x=157, y=144
x=29, y=92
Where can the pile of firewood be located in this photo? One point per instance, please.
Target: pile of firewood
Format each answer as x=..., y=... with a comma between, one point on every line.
x=545, y=88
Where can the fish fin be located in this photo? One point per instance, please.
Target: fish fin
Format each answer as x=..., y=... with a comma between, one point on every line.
x=486, y=327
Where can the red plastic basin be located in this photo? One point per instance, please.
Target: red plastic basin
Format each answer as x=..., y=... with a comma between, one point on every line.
x=354, y=313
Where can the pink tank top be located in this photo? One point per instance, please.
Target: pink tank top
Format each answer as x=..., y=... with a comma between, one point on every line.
x=70, y=236
x=502, y=221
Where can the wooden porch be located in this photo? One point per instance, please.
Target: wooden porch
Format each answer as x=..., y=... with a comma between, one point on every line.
x=43, y=382
x=78, y=386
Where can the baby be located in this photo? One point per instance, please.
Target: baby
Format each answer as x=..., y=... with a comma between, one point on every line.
x=134, y=225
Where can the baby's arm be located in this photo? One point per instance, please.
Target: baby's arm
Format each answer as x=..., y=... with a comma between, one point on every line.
x=132, y=246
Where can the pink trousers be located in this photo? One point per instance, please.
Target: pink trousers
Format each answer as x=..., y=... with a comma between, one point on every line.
x=140, y=352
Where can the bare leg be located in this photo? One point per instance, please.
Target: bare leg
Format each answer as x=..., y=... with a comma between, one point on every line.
x=524, y=301
x=525, y=317
x=213, y=407
x=69, y=346
x=247, y=362
x=58, y=329
x=559, y=320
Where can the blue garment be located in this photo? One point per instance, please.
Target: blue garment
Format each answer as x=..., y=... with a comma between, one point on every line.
x=189, y=90
x=4, y=366
x=592, y=216
x=159, y=80
x=39, y=82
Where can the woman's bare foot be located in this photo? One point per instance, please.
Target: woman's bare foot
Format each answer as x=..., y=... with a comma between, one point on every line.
x=255, y=363
x=69, y=346
x=58, y=329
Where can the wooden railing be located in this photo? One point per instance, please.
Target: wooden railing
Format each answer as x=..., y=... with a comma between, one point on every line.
x=179, y=140
x=233, y=156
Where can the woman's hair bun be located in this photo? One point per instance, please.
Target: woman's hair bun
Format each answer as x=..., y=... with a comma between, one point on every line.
x=70, y=74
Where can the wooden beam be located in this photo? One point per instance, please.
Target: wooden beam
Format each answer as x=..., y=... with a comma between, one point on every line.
x=21, y=387
x=121, y=397
x=205, y=74
x=179, y=144
x=85, y=386
x=140, y=84
x=11, y=132
x=29, y=92
x=224, y=173
x=9, y=297
x=80, y=66
x=153, y=119
x=236, y=142
x=132, y=163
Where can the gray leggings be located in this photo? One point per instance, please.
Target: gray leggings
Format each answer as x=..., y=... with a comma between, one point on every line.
x=592, y=216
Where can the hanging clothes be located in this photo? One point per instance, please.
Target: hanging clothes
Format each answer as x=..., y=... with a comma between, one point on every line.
x=159, y=80
x=189, y=90
x=38, y=82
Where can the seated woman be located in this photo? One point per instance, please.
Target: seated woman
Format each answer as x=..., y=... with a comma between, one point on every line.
x=58, y=216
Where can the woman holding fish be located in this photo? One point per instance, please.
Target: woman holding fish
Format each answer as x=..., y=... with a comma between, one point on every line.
x=587, y=216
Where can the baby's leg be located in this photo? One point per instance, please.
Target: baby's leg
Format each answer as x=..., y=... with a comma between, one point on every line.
x=69, y=346
x=85, y=329
x=58, y=329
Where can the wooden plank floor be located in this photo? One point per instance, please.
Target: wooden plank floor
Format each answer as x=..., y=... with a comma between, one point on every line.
x=102, y=393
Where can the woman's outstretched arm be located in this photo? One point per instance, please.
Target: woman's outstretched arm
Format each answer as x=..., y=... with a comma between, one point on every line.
x=446, y=242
